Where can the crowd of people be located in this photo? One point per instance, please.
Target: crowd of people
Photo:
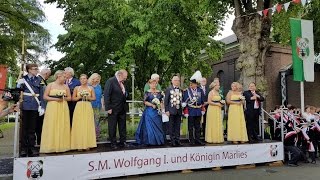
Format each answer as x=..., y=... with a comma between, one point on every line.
x=69, y=111
x=302, y=132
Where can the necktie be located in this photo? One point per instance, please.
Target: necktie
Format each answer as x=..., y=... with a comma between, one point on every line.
x=122, y=87
x=204, y=89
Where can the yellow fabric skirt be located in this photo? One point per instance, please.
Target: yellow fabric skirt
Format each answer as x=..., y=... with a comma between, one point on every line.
x=214, y=125
x=237, y=130
x=55, y=135
x=83, y=135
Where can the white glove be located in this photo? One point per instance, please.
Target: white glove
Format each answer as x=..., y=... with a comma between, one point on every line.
x=184, y=104
x=186, y=115
x=41, y=111
x=20, y=81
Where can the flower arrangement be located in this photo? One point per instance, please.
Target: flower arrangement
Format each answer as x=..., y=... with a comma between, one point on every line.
x=157, y=102
x=222, y=101
x=242, y=97
x=60, y=94
x=84, y=94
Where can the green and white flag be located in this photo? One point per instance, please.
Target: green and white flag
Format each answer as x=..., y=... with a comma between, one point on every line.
x=302, y=49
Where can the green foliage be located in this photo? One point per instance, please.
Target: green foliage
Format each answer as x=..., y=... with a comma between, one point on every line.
x=281, y=25
x=163, y=37
x=17, y=16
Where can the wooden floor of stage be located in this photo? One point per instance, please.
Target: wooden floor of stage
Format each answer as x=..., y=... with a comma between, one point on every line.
x=105, y=147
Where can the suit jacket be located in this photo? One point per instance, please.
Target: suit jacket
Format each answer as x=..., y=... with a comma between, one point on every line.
x=113, y=96
x=43, y=85
x=74, y=83
x=250, y=103
x=29, y=102
x=167, y=102
x=188, y=96
x=205, y=93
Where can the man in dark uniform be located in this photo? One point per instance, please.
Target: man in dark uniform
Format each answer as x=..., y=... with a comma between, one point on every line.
x=193, y=96
x=173, y=109
x=30, y=85
x=44, y=75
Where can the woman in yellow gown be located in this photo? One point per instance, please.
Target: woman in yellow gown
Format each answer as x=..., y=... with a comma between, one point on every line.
x=83, y=134
x=214, y=125
x=56, y=124
x=237, y=130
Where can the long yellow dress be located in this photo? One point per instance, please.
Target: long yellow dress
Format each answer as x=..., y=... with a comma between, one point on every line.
x=83, y=134
x=56, y=126
x=214, y=125
x=237, y=130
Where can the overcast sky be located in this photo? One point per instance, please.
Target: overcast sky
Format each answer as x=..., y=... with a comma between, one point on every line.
x=55, y=16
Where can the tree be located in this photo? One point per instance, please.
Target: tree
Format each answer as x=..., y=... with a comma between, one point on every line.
x=254, y=34
x=164, y=37
x=17, y=16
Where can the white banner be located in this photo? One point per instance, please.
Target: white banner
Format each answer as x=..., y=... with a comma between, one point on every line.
x=142, y=161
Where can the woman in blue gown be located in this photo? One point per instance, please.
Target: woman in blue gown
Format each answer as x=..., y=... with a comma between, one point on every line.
x=150, y=130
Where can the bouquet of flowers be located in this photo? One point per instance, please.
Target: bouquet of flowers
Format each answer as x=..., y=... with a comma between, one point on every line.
x=157, y=102
x=222, y=101
x=60, y=94
x=84, y=94
x=242, y=97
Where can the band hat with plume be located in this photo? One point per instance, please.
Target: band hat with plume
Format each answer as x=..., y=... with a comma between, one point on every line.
x=196, y=77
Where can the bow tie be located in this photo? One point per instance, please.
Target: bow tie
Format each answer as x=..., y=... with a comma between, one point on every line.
x=176, y=88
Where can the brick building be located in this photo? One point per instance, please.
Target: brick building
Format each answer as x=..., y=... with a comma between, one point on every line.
x=281, y=87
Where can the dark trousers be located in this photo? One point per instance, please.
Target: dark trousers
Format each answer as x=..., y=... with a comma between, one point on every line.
x=296, y=154
x=39, y=124
x=252, y=119
x=115, y=119
x=194, y=128
x=204, y=124
x=174, y=127
x=71, y=105
x=28, y=126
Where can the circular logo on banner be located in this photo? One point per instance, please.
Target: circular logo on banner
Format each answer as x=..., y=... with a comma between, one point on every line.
x=273, y=150
x=34, y=169
x=303, y=49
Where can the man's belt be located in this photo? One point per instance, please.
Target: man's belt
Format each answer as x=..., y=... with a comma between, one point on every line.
x=30, y=94
x=193, y=106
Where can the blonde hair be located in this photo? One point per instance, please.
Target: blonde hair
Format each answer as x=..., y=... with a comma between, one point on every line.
x=212, y=85
x=83, y=75
x=57, y=73
x=93, y=76
x=151, y=81
x=238, y=85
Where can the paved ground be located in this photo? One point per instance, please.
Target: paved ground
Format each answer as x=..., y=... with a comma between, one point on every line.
x=303, y=172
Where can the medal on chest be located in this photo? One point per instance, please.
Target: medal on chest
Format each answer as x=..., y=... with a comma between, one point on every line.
x=176, y=97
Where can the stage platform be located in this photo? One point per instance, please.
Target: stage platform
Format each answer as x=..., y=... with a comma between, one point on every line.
x=104, y=163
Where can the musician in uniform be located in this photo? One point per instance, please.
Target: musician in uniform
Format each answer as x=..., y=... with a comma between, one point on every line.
x=194, y=99
x=32, y=97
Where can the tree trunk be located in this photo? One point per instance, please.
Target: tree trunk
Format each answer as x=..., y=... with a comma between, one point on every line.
x=253, y=34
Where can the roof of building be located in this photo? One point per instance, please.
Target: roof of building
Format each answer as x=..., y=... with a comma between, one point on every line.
x=229, y=39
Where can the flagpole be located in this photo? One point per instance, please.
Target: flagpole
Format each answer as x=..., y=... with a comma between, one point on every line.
x=302, y=95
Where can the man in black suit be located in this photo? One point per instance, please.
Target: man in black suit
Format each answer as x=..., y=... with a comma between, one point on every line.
x=173, y=109
x=205, y=89
x=252, y=112
x=115, y=96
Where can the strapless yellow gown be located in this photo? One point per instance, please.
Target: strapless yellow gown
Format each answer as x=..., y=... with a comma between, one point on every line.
x=237, y=130
x=214, y=125
x=83, y=134
x=56, y=126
